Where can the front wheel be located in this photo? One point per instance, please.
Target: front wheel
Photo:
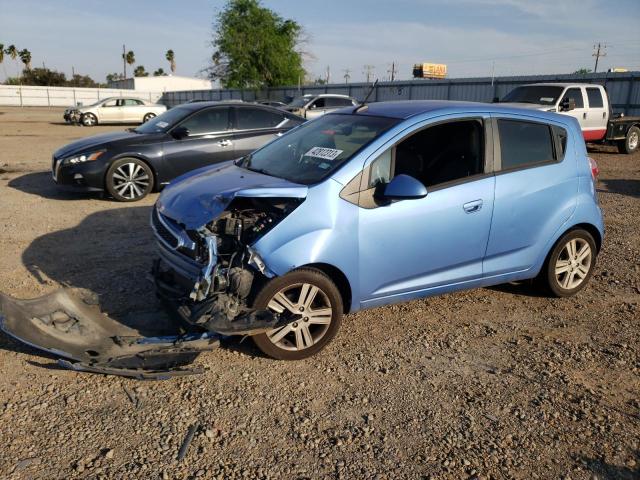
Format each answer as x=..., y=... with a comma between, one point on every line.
x=89, y=120
x=631, y=142
x=129, y=180
x=312, y=302
x=148, y=117
x=570, y=264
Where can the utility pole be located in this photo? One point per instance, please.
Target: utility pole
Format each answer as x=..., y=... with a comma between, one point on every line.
x=598, y=54
x=347, y=75
x=368, y=71
x=73, y=75
x=124, y=61
x=328, y=77
x=392, y=72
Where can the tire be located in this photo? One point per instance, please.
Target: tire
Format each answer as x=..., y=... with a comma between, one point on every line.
x=570, y=264
x=631, y=142
x=89, y=119
x=148, y=117
x=129, y=180
x=309, y=335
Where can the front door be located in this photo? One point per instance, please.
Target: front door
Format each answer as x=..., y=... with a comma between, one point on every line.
x=111, y=111
x=580, y=112
x=209, y=141
x=410, y=247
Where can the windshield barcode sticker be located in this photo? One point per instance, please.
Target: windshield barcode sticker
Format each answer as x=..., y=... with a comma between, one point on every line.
x=324, y=153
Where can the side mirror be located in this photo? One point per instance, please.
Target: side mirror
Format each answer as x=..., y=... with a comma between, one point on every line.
x=312, y=106
x=567, y=104
x=180, y=132
x=404, y=187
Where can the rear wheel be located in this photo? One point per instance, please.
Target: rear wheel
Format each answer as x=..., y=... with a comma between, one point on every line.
x=148, y=117
x=631, y=142
x=89, y=120
x=570, y=264
x=312, y=301
x=129, y=180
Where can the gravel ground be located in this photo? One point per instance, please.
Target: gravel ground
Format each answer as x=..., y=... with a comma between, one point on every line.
x=492, y=383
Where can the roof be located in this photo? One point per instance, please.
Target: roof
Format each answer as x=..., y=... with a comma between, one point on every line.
x=404, y=109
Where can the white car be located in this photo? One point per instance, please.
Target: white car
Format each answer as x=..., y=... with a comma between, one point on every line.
x=114, y=110
x=313, y=106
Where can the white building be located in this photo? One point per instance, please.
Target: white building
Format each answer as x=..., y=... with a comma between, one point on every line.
x=166, y=83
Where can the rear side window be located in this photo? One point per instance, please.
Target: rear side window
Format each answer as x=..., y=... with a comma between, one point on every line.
x=595, y=97
x=524, y=144
x=337, y=102
x=576, y=94
x=255, y=118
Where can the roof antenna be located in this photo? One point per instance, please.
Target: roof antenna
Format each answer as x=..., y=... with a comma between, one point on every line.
x=363, y=104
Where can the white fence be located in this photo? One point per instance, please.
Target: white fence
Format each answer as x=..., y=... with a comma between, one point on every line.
x=28, y=96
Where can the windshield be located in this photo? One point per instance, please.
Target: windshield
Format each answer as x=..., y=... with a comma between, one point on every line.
x=312, y=151
x=299, y=102
x=164, y=121
x=538, y=94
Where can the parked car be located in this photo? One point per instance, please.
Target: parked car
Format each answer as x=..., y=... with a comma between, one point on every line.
x=382, y=204
x=114, y=110
x=313, y=106
x=130, y=164
x=589, y=104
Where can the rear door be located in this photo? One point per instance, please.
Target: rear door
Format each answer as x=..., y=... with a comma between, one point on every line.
x=535, y=191
x=133, y=110
x=209, y=141
x=595, y=126
x=254, y=126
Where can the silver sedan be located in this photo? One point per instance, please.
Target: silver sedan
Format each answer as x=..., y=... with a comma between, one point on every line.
x=114, y=110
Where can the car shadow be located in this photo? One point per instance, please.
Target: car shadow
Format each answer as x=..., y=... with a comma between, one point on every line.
x=629, y=187
x=524, y=288
x=41, y=184
x=607, y=471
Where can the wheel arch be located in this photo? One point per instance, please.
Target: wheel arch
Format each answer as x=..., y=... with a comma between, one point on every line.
x=136, y=157
x=339, y=278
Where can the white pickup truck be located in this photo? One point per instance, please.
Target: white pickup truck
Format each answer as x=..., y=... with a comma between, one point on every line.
x=588, y=103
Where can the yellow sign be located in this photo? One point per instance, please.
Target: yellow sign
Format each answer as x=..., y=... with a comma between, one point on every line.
x=430, y=70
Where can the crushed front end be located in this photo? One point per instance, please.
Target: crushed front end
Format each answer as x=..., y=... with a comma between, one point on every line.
x=209, y=275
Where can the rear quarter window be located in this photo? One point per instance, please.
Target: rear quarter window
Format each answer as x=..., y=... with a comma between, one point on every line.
x=525, y=144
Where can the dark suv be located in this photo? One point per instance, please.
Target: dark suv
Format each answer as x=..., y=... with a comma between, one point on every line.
x=130, y=164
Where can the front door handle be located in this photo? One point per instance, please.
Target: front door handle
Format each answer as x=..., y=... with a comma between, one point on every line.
x=224, y=143
x=472, y=207
x=584, y=115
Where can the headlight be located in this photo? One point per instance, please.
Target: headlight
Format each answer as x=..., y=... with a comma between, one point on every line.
x=87, y=157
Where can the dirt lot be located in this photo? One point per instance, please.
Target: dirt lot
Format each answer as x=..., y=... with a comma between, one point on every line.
x=492, y=383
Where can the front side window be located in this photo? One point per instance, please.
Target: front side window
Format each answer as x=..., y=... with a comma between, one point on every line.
x=524, y=144
x=595, y=97
x=209, y=120
x=337, y=102
x=537, y=94
x=575, y=94
x=319, y=103
x=256, y=118
x=110, y=103
x=314, y=150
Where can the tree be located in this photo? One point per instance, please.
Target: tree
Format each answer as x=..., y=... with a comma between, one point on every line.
x=159, y=73
x=12, y=51
x=140, y=71
x=582, y=71
x=25, y=56
x=171, y=58
x=1, y=52
x=113, y=77
x=130, y=58
x=255, y=47
x=43, y=76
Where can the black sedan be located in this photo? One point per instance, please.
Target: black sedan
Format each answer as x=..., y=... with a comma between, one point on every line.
x=132, y=163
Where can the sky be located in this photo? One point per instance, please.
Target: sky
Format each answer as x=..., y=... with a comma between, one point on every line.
x=475, y=38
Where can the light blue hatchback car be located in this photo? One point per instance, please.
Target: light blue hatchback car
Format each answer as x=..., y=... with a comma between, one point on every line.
x=373, y=205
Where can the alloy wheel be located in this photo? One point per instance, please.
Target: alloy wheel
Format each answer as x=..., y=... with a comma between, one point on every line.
x=309, y=309
x=130, y=180
x=633, y=140
x=573, y=263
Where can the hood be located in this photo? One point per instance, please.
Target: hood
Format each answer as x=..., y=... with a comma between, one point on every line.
x=98, y=141
x=198, y=197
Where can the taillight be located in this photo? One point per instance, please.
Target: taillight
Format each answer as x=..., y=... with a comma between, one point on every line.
x=595, y=171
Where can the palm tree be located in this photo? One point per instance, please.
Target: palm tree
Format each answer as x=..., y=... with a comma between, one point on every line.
x=140, y=71
x=159, y=73
x=1, y=52
x=12, y=51
x=171, y=58
x=130, y=58
x=25, y=56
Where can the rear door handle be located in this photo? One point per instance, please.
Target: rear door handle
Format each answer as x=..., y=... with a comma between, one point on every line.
x=224, y=143
x=472, y=207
